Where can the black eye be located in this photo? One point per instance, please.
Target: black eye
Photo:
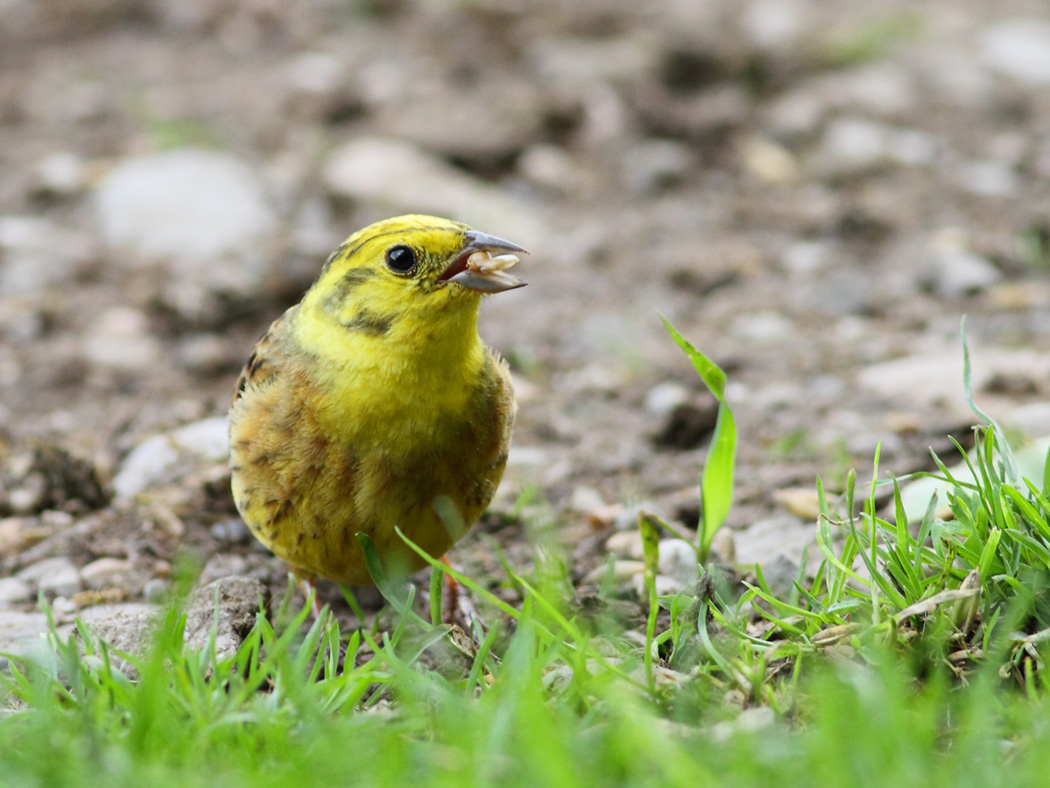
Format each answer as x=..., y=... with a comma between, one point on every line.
x=400, y=259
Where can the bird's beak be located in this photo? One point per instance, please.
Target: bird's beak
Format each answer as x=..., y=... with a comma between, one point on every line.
x=481, y=264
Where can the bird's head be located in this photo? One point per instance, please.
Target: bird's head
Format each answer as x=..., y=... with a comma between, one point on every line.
x=411, y=265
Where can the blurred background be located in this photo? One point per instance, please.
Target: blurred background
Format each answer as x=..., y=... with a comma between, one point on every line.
x=814, y=194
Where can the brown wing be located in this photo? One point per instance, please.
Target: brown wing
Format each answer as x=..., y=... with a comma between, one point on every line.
x=260, y=365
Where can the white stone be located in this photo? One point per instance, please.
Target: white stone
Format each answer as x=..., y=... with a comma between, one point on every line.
x=1018, y=48
x=37, y=253
x=769, y=161
x=764, y=540
x=586, y=499
x=648, y=166
x=548, y=166
x=588, y=61
x=21, y=633
x=664, y=397
x=883, y=88
x=806, y=257
x=665, y=586
x=61, y=173
x=315, y=72
x=625, y=544
x=678, y=560
x=14, y=590
x=913, y=147
x=527, y=456
x=120, y=338
x=961, y=273
x=105, y=572
x=986, y=178
x=208, y=438
x=762, y=327
x=158, y=458
x=774, y=23
x=53, y=576
x=623, y=570
x=933, y=377
x=853, y=145
x=1031, y=420
x=185, y=205
x=952, y=270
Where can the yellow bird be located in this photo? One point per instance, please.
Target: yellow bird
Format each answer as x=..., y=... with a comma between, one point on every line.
x=374, y=404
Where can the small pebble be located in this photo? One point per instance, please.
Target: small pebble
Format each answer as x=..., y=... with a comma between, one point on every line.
x=951, y=270
x=664, y=397
x=665, y=586
x=315, y=73
x=231, y=531
x=161, y=457
x=853, y=145
x=622, y=571
x=586, y=499
x=987, y=178
x=1031, y=419
x=120, y=338
x=769, y=162
x=61, y=173
x=14, y=590
x=625, y=544
x=1019, y=48
x=105, y=572
x=549, y=167
x=799, y=501
x=156, y=590
x=53, y=576
x=627, y=518
x=63, y=606
x=527, y=456
x=678, y=561
x=654, y=165
x=763, y=327
x=724, y=546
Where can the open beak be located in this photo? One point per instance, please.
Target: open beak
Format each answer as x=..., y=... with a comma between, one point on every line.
x=481, y=264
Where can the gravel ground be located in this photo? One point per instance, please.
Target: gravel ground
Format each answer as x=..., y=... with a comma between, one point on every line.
x=813, y=193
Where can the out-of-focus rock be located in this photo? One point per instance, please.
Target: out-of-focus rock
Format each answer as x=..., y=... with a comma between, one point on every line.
x=37, y=253
x=951, y=270
x=14, y=590
x=165, y=457
x=394, y=176
x=52, y=576
x=655, y=164
x=106, y=572
x=192, y=207
x=1018, y=48
x=120, y=338
x=227, y=606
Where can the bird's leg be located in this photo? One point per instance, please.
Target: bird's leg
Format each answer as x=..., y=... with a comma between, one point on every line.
x=306, y=583
x=458, y=609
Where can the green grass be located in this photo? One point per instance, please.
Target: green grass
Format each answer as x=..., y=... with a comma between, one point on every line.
x=911, y=654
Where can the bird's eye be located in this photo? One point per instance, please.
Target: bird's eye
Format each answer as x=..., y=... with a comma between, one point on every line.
x=400, y=259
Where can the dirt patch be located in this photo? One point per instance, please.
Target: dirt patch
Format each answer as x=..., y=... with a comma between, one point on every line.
x=812, y=195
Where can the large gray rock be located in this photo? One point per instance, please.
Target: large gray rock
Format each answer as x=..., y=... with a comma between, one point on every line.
x=193, y=207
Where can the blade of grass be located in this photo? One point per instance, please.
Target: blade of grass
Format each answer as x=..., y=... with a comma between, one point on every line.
x=716, y=480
